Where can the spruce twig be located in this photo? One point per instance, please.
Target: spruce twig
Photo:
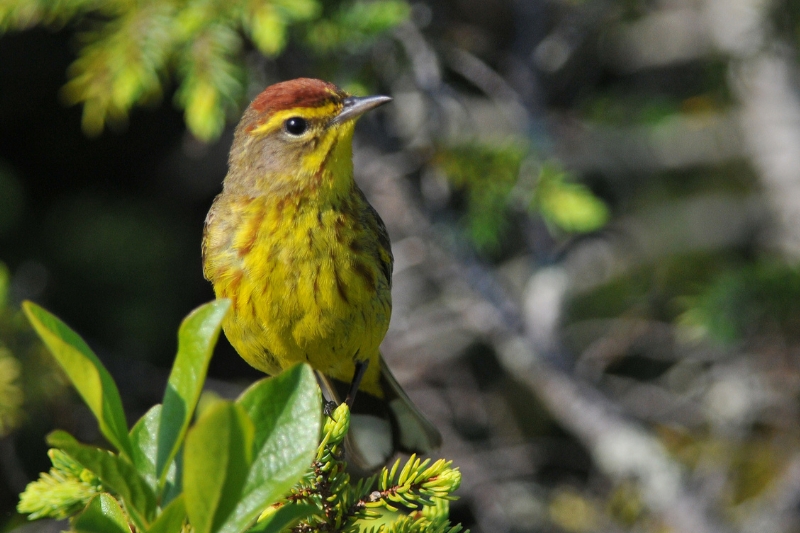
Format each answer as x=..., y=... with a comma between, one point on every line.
x=60, y=493
x=411, y=499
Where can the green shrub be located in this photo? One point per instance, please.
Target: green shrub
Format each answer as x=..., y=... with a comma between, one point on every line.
x=264, y=462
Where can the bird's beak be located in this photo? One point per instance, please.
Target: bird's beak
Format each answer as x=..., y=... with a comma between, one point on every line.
x=355, y=106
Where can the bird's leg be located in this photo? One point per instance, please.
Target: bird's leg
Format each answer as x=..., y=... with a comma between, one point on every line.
x=358, y=375
x=329, y=399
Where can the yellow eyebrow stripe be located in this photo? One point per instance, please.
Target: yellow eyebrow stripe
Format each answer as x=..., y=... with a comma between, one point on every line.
x=277, y=120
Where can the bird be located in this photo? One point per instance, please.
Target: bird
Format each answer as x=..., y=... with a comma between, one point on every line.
x=306, y=261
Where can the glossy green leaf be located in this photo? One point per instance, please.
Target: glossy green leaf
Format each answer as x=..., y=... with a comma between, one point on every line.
x=87, y=373
x=174, y=485
x=284, y=518
x=143, y=437
x=115, y=472
x=102, y=515
x=217, y=457
x=196, y=339
x=171, y=518
x=287, y=414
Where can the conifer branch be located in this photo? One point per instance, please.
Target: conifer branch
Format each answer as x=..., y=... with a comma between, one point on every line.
x=414, y=498
x=62, y=492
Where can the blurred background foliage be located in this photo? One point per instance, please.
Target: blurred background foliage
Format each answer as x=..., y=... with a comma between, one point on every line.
x=128, y=50
x=594, y=211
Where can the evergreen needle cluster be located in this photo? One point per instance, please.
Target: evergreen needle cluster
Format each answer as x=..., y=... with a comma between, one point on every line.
x=62, y=492
x=411, y=499
x=129, y=51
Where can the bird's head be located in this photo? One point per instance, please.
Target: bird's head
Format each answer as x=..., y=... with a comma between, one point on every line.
x=295, y=135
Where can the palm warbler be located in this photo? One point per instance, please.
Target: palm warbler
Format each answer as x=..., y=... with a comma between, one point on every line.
x=306, y=260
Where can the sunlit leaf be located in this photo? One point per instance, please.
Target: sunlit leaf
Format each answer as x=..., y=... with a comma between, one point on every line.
x=566, y=205
x=196, y=339
x=87, y=373
x=287, y=417
x=171, y=519
x=144, y=439
x=102, y=515
x=218, y=455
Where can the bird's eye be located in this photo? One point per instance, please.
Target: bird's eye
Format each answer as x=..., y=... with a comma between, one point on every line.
x=296, y=126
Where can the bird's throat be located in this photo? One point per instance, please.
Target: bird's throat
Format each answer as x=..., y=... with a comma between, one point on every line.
x=324, y=174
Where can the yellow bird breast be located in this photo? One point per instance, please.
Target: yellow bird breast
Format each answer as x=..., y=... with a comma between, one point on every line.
x=305, y=280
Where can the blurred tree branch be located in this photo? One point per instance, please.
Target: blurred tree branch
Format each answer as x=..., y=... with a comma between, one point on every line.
x=128, y=50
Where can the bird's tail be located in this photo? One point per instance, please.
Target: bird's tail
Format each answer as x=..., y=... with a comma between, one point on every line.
x=379, y=427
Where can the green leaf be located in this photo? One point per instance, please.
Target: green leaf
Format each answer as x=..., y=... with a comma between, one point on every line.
x=171, y=518
x=569, y=206
x=226, y=483
x=217, y=458
x=284, y=518
x=87, y=373
x=196, y=339
x=102, y=515
x=174, y=485
x=115, y=472
x=287, y=416
x=144, y=437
